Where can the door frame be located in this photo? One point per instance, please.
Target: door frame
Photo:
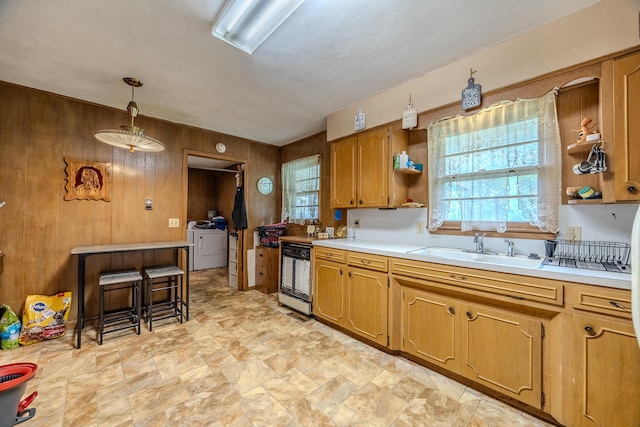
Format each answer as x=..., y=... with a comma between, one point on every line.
x=243, y=282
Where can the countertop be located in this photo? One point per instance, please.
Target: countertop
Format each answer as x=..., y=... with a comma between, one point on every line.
x=298, y=239
x=399, y=250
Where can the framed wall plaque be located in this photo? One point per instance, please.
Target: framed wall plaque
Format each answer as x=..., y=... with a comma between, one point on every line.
x=88, y=180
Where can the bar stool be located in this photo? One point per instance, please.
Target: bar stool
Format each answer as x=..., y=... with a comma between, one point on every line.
x=167, y=278
x=122, y=318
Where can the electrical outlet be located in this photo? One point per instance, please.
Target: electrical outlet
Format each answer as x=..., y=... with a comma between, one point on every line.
x=174, y=222
x=574, y=232
x=420, y=227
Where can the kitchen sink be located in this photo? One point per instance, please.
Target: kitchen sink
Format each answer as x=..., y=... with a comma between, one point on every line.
x=519, y=261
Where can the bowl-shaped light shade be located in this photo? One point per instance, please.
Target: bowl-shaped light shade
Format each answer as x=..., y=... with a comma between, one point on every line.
x=130, y=137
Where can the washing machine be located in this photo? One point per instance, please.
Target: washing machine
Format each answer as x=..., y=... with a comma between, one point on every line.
x=209, y=248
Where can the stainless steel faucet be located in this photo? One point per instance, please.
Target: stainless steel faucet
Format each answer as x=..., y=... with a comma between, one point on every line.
x=479, y=241
x=510, y=247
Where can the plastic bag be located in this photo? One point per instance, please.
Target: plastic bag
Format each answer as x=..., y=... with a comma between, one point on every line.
x=9, y=328
x=44, y=317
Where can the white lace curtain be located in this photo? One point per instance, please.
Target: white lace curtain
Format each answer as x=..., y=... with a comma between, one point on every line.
x=500, y=165
x=300, y=189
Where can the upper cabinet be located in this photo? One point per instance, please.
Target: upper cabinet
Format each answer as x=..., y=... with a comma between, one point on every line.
x=626, y=110
x=362, y=170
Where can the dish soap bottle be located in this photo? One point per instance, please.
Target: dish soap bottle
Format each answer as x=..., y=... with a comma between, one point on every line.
x=403, y=160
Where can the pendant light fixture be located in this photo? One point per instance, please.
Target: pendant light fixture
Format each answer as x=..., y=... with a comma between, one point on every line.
x=130, y=136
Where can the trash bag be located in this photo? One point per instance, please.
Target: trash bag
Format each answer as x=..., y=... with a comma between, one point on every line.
x=9, y=328
x=45, y=317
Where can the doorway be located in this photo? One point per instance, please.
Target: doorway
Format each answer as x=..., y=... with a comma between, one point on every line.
x=210, y=183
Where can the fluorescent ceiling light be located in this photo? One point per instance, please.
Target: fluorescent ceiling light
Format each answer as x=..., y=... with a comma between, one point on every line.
x=245, y=24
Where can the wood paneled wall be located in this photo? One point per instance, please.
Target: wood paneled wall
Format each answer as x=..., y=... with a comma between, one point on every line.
x=38, y=228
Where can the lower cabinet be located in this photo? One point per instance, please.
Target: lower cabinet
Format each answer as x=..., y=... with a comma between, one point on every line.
x=497, y=348
x=502, y=350
x=266, y=269
x=366, y=304
x=431, y=328
x=354, y=298
x=607, y=372
x=329, y=290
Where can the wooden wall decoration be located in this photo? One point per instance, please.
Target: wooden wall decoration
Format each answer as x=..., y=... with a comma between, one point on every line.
x=88, y=180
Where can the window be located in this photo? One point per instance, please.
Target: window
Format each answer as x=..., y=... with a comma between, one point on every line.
x=497, y=167
x=301, y=190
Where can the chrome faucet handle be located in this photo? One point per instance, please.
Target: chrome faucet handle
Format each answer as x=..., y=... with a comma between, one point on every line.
x=509, y=247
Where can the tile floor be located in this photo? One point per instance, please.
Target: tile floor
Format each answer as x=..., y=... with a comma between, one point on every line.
x=244, y=361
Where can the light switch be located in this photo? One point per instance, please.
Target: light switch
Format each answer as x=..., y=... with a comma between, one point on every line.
x=148, y=204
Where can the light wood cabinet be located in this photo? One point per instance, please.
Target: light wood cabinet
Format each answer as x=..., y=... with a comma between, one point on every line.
x=351, y=297
x=431, y=328
x=607, y=372
x=497, y=348
x=626, y=110
x=502, y=350
x=606, y=358
x=329, y=289
x=366, y=303
x=266, y=269
x=362, y=170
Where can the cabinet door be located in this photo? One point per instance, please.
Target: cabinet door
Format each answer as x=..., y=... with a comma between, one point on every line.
x=328, y=296
x=607, y=373
x=431, y=328
x=266, y=269
x=374, y=167
x=366, y=304
x=343, y=173
x=503, y=351
x=626, y=110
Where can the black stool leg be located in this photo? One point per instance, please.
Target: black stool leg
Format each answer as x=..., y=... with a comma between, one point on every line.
x=101, y=316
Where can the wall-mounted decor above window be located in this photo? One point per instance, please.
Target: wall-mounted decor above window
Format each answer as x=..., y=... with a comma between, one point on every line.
x=88, y=180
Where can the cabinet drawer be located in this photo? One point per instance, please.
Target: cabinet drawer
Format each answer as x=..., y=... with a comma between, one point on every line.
x=510, y=285
x=369, y=261
x=616, y=302
x=330, y=254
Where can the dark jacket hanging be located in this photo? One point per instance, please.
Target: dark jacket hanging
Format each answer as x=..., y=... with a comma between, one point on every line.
x=239, y=214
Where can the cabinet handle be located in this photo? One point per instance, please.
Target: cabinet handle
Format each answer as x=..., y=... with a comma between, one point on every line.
x=631, y=189
x=451, y=310
x=351, y=201
x=340, y=271
x=469, y=315
x=457, y=277
x=589, y=330
x=365, y=261
x=261, y=273
x=616, y=304
x=260, y=255
x=361, y=202
x=350, y=275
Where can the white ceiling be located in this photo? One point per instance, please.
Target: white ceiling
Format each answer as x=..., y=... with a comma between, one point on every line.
x=327, y=55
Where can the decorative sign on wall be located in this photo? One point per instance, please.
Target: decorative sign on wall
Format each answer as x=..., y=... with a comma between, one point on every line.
x=472, y=94
x=88, y=180
x=410, y=116
x=360, y=120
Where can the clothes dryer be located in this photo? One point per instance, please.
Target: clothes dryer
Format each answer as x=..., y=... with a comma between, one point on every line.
x=209, y=248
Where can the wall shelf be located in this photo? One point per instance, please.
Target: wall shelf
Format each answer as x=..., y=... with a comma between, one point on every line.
x=582, y=147
x=584, y=201
x=408, y=171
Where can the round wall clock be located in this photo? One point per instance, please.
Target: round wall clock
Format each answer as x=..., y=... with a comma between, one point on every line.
x=220, y=147
x=265, y=185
